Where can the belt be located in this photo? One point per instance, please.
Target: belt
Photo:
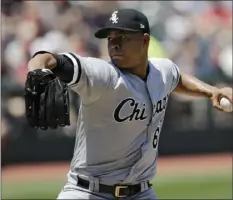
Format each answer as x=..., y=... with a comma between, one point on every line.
x=118, y=191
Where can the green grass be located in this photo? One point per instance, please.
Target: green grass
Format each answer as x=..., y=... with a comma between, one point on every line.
x=195, y=187
x=179, y=187
x=32, y=190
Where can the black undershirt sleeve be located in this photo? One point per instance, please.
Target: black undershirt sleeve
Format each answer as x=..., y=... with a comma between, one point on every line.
x=64, y=69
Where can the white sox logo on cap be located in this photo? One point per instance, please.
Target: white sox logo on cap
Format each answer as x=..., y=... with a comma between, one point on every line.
x=114, y=17
x=142, y=26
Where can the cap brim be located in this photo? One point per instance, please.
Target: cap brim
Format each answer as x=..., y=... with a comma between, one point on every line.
x=103, y=33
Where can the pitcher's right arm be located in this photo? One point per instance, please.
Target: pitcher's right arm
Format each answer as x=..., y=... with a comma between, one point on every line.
x=89, y=77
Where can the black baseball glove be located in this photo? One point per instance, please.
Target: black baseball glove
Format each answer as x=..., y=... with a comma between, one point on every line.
x=46, y=100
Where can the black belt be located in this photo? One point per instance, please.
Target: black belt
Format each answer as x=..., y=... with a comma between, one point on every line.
x=116, y=190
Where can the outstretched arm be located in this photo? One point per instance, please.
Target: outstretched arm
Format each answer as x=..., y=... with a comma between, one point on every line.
x=194, y=87
x=89, y=77
x=59, y=64
x=190, y=85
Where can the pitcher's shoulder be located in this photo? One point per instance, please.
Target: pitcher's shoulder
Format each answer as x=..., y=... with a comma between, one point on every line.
x=161, y=63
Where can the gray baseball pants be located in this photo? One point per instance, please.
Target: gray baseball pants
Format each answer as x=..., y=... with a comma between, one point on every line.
x=72, y=191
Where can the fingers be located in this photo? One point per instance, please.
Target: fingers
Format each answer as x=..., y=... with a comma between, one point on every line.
x=219, y=94
x=216, y=100
x=216, y=103
x=218, y=107
x=227, y=93
x=229, y=97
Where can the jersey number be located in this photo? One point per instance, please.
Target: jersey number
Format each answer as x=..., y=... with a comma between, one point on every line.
x=155, y=139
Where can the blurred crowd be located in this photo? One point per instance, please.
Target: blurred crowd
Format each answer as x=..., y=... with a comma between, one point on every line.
x=196, y=35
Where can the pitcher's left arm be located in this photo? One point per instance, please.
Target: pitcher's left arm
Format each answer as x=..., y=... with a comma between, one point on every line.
x=192, y=86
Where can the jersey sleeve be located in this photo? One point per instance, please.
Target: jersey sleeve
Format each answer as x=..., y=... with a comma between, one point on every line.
x=91, y=77
x=169, y=72
x=175, y=75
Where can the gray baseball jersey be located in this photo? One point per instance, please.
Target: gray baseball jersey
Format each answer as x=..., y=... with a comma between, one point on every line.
x=120, y=119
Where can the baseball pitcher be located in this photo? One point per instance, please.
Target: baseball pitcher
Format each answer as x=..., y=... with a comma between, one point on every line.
x=123, y=104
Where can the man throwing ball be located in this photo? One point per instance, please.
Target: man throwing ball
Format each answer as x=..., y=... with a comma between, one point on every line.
x=123, y=104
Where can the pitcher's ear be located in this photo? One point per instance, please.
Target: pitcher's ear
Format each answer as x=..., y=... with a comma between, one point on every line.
x=146, y=38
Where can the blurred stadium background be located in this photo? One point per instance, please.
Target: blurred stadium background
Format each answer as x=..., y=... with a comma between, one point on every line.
x=196, y=141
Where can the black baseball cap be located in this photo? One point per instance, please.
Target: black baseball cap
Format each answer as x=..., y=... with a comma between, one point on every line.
x=125, y=19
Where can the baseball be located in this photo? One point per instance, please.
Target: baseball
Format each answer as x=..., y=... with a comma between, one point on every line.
x=226, y=105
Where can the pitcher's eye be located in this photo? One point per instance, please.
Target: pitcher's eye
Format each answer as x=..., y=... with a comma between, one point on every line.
x=124, y=38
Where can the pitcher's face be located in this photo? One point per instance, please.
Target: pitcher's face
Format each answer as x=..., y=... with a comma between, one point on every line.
x=126, y=47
